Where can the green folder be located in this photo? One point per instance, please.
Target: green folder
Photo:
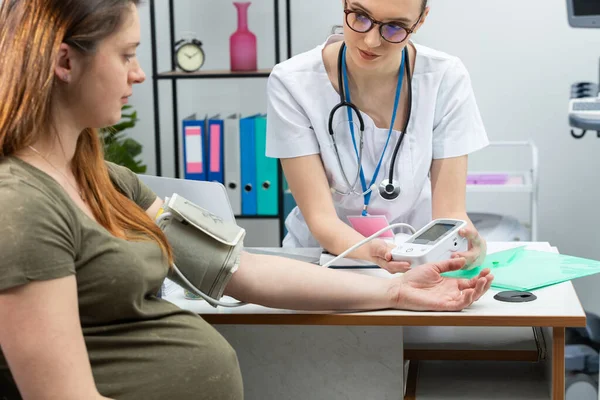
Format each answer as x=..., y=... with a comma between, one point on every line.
x=521, y=269
x=267, y=191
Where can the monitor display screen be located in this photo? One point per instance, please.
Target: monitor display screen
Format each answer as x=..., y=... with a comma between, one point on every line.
x=586, y=8
x=435, y=232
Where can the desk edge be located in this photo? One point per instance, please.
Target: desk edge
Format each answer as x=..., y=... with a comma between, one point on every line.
x=387, y=320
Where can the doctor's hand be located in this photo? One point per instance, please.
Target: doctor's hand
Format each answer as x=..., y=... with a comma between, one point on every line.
x=477, y=247
x=381, y=253
x=423, y=288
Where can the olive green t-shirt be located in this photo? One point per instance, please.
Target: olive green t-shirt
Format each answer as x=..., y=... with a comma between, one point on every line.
x=140, y=346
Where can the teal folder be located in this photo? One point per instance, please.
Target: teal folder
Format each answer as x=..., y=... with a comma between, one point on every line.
x=521, y=269
x=267, y=194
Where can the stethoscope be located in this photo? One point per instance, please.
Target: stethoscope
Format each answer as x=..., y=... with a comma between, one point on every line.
x=389, y=189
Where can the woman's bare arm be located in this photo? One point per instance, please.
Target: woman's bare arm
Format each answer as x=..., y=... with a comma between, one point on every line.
x=283, y=283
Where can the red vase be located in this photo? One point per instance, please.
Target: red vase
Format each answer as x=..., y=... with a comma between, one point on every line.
x=242, y=44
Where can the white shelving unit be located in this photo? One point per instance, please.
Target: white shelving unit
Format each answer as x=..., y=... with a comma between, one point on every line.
x=525, y=181
x=523, y=185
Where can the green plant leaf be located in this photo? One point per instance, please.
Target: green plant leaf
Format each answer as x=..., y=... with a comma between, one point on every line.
x=121, y=126
x=120, y=149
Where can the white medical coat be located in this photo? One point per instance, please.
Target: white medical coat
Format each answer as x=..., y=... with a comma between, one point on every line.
x=445, y=122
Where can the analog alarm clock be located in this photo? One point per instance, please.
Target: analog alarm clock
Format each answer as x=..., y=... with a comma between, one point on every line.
x=189, y=56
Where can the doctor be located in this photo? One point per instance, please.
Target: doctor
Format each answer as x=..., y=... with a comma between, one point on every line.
x=406, y=114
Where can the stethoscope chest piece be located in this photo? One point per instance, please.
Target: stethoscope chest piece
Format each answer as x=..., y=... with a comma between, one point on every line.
x=389, y=190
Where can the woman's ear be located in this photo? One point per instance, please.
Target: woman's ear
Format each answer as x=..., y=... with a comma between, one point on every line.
x=422, y=20
x=64, y=63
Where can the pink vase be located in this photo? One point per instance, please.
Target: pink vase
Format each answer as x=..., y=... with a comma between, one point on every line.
x=242, y=44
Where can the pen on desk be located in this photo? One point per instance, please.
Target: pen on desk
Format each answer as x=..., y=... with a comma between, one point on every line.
x=370, y=266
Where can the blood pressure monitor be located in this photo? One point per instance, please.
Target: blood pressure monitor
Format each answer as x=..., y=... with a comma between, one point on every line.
x=436, y=241
x=583, y=13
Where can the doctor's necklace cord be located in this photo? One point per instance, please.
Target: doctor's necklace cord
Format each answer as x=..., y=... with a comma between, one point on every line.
x=389, y=189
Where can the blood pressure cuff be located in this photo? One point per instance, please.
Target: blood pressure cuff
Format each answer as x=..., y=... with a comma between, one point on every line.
x=206, y=248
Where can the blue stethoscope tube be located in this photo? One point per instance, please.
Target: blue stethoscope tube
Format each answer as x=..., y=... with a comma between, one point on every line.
x=388, y=189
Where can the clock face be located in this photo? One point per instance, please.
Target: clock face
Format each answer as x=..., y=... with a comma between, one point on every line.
x=190, y=57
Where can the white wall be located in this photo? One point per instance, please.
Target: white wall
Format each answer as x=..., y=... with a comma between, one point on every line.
x=523, y=57
x=521, y=54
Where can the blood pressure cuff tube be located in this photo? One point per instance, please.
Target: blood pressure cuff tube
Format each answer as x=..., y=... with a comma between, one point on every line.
x=206, y=251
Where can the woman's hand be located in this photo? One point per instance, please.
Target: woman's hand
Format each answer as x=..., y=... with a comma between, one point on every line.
x=477, y=249
x=381, y=253
x=423, y=288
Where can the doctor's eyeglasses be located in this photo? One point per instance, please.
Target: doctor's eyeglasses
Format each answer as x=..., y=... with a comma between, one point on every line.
x=392, y=32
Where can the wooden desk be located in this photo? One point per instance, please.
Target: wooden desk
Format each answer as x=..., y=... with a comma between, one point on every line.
x=556, y=308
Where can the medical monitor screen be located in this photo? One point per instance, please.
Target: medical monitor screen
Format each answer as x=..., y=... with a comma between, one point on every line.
x=586, y=8
x=434, y=233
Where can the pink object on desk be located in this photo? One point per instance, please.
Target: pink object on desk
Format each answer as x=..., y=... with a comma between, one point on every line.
x=370, y=224
x=515, y=180
x=487, y=179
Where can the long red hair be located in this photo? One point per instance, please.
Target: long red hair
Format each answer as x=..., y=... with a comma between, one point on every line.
x=31, y=32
